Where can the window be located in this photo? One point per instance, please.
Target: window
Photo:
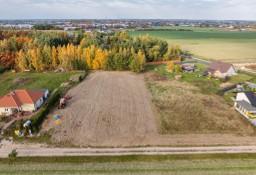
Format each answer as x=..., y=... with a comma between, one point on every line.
x=6, y=109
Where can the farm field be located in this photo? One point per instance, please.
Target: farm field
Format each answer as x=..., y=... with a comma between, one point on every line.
x=178, y=165
x=115, y=109
x=32, y=80
x=211, y=44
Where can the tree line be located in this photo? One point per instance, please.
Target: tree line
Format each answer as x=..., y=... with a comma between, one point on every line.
x=37, y=50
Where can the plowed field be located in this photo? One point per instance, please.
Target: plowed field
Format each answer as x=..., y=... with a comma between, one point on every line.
x=108, y=108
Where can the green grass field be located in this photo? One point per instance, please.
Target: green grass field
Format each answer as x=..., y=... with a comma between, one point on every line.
x=230, y=164
x=48, y=80
x=211, y=43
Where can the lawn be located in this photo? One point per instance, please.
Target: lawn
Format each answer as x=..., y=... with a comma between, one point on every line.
x=210, y=43
x=192, y=106
x=206, y=86
x=229, y=164
x=32, y=80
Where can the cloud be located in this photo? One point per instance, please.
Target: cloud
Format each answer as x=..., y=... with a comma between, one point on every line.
x=189, y=9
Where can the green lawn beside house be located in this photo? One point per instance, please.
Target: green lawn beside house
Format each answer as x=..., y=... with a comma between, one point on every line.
x=32, y=80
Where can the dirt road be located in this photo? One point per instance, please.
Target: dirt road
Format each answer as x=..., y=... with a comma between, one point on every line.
x=41, y=151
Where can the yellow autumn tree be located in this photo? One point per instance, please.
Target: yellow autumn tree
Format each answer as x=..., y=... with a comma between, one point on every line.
x=54, y=63
x=37, y=59
x=41, y=65
x=79, y=52
x=21, y=60
x=89, y=55
x=46, y=56
x=59, y=57
x=170, y=66
x=100, y=57
x=142, y=59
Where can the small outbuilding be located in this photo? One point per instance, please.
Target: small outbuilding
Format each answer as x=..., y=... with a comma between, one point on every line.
x=188, y=67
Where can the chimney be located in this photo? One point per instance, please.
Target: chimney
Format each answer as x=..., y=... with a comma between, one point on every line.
x=12, y=93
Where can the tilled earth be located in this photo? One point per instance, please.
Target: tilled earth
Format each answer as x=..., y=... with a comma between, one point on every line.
x=107, y=109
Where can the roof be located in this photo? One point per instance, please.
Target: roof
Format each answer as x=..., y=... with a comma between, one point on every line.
x=251, y=97
x=29, y=97
x=220, y=66
x=246, y=106
x=10, y=100
x=19, y=97
x=188, y=65
x=40, y=90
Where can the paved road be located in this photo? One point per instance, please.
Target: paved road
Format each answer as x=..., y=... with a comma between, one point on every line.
x=48, y=152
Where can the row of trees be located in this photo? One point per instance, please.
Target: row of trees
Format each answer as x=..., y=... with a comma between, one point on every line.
x=40, y=51
x=45, y=27
x=73, y=57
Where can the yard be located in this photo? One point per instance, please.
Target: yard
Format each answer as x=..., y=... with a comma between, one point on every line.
x=191, y=105
x=32, y=80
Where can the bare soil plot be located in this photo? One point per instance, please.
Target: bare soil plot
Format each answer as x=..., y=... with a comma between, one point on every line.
x=107, y=109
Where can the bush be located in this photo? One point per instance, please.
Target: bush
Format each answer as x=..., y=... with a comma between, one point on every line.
x=177, y=69
x=135, y=65
x=170, y=66
x=82, y=77
x=12, y=156
x=225, y=79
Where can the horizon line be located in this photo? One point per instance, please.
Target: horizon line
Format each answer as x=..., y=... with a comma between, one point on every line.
x=15, y=19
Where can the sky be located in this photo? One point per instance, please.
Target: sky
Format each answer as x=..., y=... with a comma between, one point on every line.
x=129, y=9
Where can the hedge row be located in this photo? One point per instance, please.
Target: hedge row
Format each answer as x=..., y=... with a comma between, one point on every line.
x=38, y=118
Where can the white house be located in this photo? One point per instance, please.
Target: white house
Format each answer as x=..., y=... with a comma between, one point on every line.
x=246, y=104
x=221, y=69
x=22, y=100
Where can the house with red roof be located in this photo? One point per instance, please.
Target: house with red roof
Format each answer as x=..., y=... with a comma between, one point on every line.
x=22, y=100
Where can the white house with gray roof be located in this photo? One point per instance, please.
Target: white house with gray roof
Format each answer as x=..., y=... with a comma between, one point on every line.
x=246, y=104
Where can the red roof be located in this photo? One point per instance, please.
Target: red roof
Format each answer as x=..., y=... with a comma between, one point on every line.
x=10, y=100
x=19, y=97
x=162, y=62
x=220, y=66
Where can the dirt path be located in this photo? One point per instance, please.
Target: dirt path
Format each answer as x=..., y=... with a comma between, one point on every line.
x=41, y=151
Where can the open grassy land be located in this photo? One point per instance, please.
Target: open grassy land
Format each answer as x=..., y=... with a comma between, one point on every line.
x=32, y=80
x=191, y=105
x=178, y=165
x=210, y=43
